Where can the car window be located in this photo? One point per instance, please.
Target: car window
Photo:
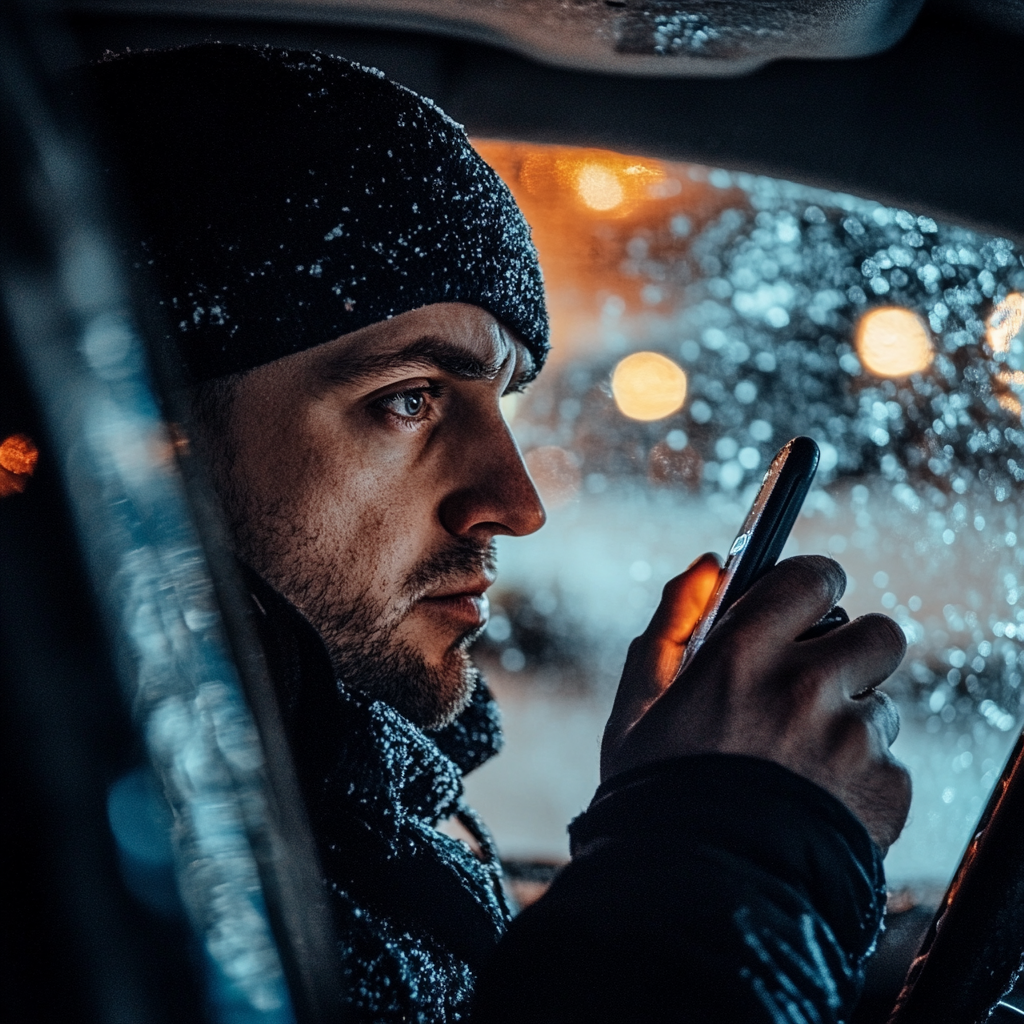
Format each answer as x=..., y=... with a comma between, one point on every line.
x=701, y=318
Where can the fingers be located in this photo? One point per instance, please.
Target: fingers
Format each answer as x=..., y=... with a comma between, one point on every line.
x=888, y=804
x=859, y=655
x=654, y=657
x=833, y=619
x=857, y=766
x=756, y=688
x=785, y=602
x=683, y=601
x=874, y=716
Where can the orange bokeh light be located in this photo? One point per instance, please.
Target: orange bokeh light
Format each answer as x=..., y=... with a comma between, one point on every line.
x=602, y=182
x=648, y=386
x=1007, y=390
x=18, y=458
x=19, y=454
x=599, y=187
x=585, y=208
x=893, y=342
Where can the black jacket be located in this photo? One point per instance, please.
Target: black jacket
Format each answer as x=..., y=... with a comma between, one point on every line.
x=712, y=888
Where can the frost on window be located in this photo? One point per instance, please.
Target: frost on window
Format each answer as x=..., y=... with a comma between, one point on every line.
x=701, y=318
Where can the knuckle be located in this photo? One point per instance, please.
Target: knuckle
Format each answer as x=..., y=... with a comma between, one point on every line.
x=899, y=778
x=893, y=787
x=880, y=794
x=817, y=574
x=881, y=717
x=906, y=788
x=673, y=588
x=886, y=634
x=850, y=740
x=886, y=715
x=815, y=676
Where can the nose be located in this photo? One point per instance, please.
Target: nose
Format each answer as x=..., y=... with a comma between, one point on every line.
x=492, y=492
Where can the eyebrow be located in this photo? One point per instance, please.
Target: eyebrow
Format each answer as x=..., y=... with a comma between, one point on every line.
x=427, y=352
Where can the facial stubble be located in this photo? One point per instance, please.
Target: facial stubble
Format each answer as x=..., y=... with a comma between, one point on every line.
x=360, y=630
x=370, y=660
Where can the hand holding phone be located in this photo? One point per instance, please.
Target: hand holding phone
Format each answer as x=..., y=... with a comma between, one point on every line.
x=767, y=684
x=763, y=535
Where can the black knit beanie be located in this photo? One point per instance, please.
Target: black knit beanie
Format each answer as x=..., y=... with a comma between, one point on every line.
x=283, y=199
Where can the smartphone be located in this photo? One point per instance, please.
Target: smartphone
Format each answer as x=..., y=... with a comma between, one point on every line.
x=763, y=534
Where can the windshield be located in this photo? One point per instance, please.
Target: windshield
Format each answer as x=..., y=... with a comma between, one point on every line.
x=701, y=318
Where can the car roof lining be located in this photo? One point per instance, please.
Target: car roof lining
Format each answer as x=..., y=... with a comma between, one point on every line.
x=931, y=123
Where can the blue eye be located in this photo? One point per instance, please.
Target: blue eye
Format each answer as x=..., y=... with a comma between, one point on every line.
x=409, y=404
x=412, y=404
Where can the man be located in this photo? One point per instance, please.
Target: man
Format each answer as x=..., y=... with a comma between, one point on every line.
x=352, y=291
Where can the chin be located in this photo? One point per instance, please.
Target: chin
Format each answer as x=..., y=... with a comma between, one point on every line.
x=448, y=696
x=431, y=694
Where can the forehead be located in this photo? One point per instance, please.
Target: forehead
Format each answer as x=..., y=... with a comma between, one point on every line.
x=456, y=337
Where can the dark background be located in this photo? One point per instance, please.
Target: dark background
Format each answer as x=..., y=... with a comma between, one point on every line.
x=933, y=124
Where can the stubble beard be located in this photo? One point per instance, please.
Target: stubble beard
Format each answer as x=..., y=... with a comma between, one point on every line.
x=360, y=631
x=370, y=661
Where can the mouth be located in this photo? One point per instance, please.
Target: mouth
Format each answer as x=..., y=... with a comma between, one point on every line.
x=467, y=606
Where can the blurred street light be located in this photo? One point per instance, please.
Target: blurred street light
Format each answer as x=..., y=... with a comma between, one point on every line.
x=599, y=187
x=893, y=342
x=648, y=386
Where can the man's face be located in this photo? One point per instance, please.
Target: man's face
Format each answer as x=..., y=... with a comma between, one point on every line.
x=366, y=480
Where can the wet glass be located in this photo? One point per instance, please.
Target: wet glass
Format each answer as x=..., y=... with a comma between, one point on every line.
x=701, y=318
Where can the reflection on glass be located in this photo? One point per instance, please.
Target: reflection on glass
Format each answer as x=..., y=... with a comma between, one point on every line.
x=556, y=473
x=754, y=289
x=18, y=458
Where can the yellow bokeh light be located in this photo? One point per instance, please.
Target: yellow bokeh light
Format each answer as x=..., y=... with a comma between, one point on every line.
x=1005, y=322
x=893, y=342
x=648, y=386
x=599, y=187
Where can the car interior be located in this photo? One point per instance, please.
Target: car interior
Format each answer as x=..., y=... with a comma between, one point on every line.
x=754, y=222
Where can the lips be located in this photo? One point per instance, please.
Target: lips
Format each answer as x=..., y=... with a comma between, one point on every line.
x=469, y=608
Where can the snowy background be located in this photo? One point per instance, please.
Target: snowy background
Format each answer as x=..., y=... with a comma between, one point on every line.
x=761, y=293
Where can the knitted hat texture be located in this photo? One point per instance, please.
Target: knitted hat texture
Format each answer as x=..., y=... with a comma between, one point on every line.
x=283, y=199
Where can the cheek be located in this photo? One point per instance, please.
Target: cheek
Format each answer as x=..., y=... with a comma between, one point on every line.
x=277, y=459
x=387, y=522
x=360, y=514
x=341, y=501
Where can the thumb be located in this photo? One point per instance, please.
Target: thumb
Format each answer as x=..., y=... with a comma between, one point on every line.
x=682, y=602
x=654, y=656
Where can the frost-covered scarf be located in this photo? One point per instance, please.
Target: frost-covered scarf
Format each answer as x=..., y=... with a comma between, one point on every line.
x=417, y=912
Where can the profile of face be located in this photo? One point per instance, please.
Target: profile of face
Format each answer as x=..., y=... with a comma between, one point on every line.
x=366, y=480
